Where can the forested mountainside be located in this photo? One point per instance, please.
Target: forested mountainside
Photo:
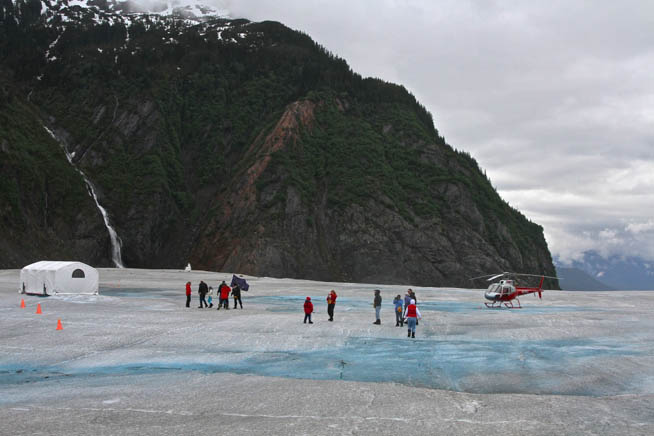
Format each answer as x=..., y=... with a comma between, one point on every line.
x=234, y=145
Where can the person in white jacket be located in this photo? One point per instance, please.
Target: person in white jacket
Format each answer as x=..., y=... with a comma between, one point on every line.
x=412, y=315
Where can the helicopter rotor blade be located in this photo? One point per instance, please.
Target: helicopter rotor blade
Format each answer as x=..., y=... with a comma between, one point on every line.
x=492, y=276
x=482, y=277
x=534, y=275
x=507, y=273
x=496, y=277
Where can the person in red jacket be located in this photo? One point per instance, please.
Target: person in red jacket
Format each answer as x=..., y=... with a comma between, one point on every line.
x=412, y=315
x=331, y=302
x=308, y=310
x=188, y=294
x=224, y=291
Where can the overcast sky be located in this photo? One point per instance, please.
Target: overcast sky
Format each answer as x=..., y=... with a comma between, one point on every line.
x=555, y=99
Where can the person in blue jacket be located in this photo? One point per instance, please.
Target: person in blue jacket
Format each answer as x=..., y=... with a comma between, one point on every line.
x=407, y=300
x=399, y=314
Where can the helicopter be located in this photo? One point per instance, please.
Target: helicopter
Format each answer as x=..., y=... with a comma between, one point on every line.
x=506, y=291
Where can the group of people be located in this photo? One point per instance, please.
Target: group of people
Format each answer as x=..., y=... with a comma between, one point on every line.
x=206, y=295
x=331, y=303
x=406, y=309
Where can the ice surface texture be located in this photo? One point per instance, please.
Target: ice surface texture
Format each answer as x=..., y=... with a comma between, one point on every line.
x=573, y=367
x=461, y=345
x=135, y=360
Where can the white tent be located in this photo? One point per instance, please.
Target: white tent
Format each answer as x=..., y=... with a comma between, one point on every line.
x=50, y=277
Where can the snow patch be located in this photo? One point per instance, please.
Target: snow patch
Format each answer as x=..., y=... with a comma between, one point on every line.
x=111, y=401
x=80, y=3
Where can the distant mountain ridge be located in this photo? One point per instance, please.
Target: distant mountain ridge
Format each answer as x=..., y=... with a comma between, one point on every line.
x=630, y=273
x=575, y=279
x=237, y=146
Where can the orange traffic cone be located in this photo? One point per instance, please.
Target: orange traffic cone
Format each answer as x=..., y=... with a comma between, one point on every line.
x=22, y=303
x=59, y=326
x=38, y=308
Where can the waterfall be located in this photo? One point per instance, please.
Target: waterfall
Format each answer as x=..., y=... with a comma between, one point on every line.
x=116, y=243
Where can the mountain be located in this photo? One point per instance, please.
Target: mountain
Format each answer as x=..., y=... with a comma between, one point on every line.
x=623, y=273
x=574, y=279
x=237, y=146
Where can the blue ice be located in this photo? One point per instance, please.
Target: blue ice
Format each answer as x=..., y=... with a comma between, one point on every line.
x=567, y=366
x=292, y=303
x=537, y=367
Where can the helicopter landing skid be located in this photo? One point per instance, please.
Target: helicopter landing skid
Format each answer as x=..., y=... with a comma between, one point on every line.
x=507, y=304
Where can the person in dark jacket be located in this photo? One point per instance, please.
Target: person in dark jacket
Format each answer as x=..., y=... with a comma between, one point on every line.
x=413, y=295
x=202, y=290
x=399, y=317
x=224, y=291
x=188, y=294
x=377, y=305
x=236, y=293
x=415, y=301
x=308, y=310
x=331, y=302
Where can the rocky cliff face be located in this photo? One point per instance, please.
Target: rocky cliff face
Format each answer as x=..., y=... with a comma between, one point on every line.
x=268, y=227
x=242, y=147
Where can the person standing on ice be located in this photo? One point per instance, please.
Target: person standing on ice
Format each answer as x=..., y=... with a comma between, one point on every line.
x=399, y=316
x=331, y=302
x=210, y=297
x=224, y=296
x=188, y=294
x=236, y=293
x=412, y=317
x=308, y=310
x=377, y=305
x=413, y=297
x=202, y=290
x=407, y=300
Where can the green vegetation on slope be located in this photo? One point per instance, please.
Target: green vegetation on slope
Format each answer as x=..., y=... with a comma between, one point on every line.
x=165, y=121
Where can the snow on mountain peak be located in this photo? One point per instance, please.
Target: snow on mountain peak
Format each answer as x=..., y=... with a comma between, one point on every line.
x=189, y=9
x=186, y=8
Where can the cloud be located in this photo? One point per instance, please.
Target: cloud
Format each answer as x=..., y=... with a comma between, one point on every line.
x=642, y=227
